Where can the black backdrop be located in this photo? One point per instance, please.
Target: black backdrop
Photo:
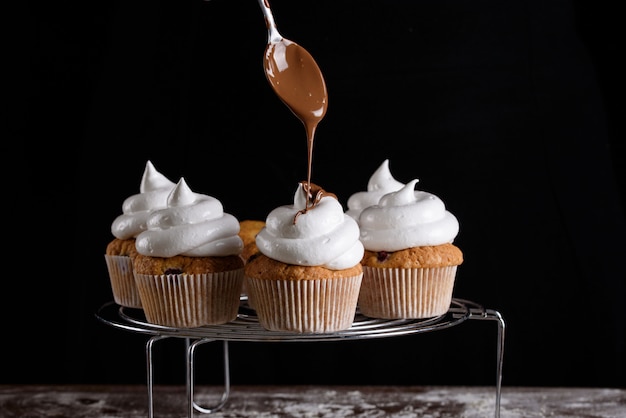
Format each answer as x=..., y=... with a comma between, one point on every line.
x=506, y=110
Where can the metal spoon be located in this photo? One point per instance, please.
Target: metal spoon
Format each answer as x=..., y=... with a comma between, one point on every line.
x=295, y=77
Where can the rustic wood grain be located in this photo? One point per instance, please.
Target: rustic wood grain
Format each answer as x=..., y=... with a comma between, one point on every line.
x=312, y=401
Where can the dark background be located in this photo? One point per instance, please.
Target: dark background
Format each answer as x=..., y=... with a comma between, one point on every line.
x=509, y=111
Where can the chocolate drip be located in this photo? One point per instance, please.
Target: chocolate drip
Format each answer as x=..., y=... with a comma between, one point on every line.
x=298, y=81
x=314, y=195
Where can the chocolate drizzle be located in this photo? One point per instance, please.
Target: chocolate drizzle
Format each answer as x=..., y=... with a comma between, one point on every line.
x=298, y=81
x=314, y=195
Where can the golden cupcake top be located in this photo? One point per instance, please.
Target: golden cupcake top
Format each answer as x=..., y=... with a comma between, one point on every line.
x=427, y=256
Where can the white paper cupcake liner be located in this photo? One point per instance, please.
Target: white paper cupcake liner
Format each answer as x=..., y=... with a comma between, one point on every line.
x=190, y=300
x=123, y=281
x=305, y=306
x=406, y=293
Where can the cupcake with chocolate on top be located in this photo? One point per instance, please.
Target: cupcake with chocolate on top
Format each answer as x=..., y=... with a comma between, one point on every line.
x=307, y=275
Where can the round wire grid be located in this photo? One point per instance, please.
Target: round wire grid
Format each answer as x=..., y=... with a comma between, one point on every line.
x=246, y=326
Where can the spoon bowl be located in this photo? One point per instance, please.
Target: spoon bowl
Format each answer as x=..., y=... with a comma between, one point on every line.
x=294, y=75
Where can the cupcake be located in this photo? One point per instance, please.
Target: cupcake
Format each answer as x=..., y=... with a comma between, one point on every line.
x=410, y=262
x=379, y=184
x=307, y=274
x=248, y=229
x=119, y=253
x=189, y=269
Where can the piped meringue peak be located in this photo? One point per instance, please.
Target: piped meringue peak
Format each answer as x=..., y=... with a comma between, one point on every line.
x=153, y=191
x=407, y=218
x=308, y=196
x=379, y=184
x=192, y=224
x=153, y=180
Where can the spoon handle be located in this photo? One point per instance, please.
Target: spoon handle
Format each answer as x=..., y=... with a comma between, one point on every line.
x=272, y=32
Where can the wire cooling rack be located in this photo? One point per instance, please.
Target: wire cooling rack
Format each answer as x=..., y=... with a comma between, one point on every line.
x=246, y=327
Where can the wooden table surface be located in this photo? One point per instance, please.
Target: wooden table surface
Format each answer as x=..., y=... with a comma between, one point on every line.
x=312, y=401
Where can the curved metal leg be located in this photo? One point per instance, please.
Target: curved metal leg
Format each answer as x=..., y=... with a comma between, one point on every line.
x=501, y=327
x=191, y=348
x=495, y=315
x=150, y=374
x=490, y=314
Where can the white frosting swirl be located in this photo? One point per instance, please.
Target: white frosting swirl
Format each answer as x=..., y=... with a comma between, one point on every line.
x=407, y=218
x=193, y=225
x=321, y=236
x=379, y=184
x=153, y=192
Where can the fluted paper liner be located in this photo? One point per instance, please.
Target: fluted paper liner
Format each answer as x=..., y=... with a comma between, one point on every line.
x=305, y=306
x=122, y=280
x=190, y=300
x=398, y=293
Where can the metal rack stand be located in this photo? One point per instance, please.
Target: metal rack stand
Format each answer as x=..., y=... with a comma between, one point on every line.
x=247, y=328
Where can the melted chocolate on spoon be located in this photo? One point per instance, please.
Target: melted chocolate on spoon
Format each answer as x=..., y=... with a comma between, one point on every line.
x=297, y=80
